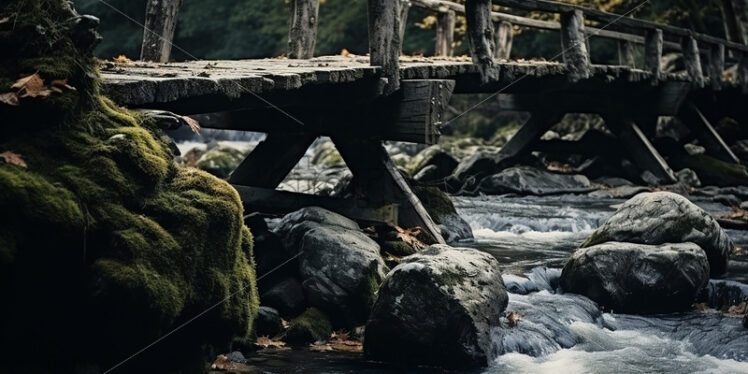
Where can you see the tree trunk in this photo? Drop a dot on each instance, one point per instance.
(160, 23)
(302, 33)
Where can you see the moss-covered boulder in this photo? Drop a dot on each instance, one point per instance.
(220, 160)
(441, 209)
(309, 327)
(105, 244)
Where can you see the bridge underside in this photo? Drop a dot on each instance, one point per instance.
(295, 101)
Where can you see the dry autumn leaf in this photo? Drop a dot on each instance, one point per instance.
(345, 53)
(514, 318)
(4, 20)
(31, 86)
(266, 342)
(13, 158)
(9, 98)
(122, 60)
(61, 85)
(409, 236)
(193, 124)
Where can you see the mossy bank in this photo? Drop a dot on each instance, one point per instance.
(105, 244)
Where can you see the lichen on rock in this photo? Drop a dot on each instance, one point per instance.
(107, 244)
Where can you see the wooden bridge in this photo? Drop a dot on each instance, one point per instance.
(360, 101)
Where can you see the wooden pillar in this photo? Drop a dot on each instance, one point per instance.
(404, 9)
(743, 71)
(574, 45)
(160, 23)
(504, 39)
(716, 65)
(384, 41)
(639, 147)
(445, 30)
(735, 18)
(539, 123)
(480, 37)
(626, 55)
(653, 53)
(271, 160)
(708, 136)
(692, 59)
(302, 33)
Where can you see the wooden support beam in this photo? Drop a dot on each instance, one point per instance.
(160, 23)
(445, 30)
(504, 39)
(271, 160)
(743, 72)
(480, 37)
(692, 59)
(716, 66)
(272, 201)
(379, 180)
(540, 121)
(653, 53)
(626, 56)
(384, 41)
(420, 110)
(302, 33)
(574, 45)
(404, 9)
(639, 147)
(708, 136)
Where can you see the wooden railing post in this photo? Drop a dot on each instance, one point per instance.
(404, 9)
(384, 41)
(653, 43)
(574, 44)
(445, 30)
(302, 34)
(716, 65)
(693, 61)
(158, 33)
(743, 71)
(480, 37)
(504, 39)
(626, 53)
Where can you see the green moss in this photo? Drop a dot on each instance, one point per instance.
(371, 288)
(220, 161)
(597, 237)
(309, 327)
(436, 202)
(104, 239)
(712, 171)
(397, 248)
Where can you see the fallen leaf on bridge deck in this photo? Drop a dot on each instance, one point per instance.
(345, 53)
(122, 60)
(13, 158)
(9, 98)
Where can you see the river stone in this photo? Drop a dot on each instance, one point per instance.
(665, 217)
(293, 225)
(433, 156)
(341, 270)
(638, 278)
(437, 307)
(286, 296)
(531, 181)
(268, 322)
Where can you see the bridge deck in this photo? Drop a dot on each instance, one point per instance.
(163, 86)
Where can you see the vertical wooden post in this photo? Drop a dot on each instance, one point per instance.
(158, 33)
(504, 39)
(626, 53)
(384, 41)
(445, 30)
(302, 33)
(574, 44)
(404, 9)
(480, 37)
(716, 65)
(743, 71)
(653, 53)
(693, 61)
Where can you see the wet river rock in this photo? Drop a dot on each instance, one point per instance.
(664, 217)
(437, 307)
(638, 278)
(531, 181)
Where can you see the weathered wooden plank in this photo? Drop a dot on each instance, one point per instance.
(692, 59)
(480, 37)
(539, 123)
(272, 159)
(639, 147)
(743, 72)
(384, 41)
(574, 43)
(504, 39)
(716, 67)
(266, 200)
(626, 56)
(653, 53)
(445, 29)
(420, 110)
(302, 33)
(379, 180)
(404, 9)
(158, 33)
(708, 136)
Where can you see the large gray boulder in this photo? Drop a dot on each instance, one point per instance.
(525, 180)
(437, 307)
(664, 217)
(638, 278)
